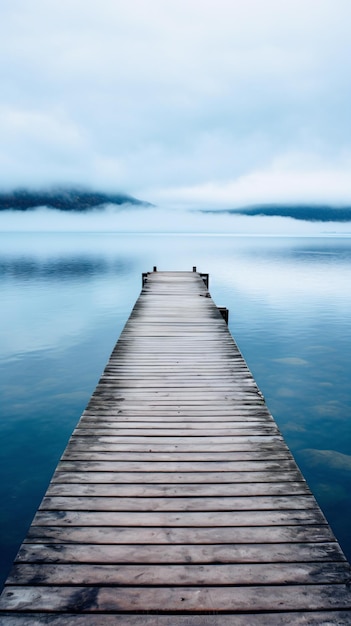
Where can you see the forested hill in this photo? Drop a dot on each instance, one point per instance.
(63, 200)
(309, 213)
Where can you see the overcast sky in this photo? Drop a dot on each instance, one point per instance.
(178, 102)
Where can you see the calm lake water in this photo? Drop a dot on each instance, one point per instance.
(66, 297)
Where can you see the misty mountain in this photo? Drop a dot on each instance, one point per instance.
(64, 200)
(309, 213)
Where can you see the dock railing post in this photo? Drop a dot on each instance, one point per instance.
(205, 278)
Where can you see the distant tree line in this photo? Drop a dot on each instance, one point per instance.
(309, 213)
(62, 199)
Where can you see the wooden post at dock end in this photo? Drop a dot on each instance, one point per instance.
(205, 278)
(224, 313)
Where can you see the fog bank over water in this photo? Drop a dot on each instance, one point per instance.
(163, 220)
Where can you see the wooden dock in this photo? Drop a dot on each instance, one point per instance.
(177, 501)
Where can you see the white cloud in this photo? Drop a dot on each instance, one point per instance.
(327, 458)
(149, 97)
(277, 184)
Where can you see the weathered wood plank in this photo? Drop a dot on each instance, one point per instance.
(169, 553)
(183, 414)
(169, 404)
(176, 477)
(95, 444)
(183, 519)
(215, 535)
(246, 503)
(293, 618)
(177, 490)
(148, 380)
(181, 440)
(75, 454)
(175, 395)
(112, 431)
(168, 421)
(175, 428)
(163, 575)
(180, 599)
(177, 466)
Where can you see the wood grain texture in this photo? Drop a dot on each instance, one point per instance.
(293, 618)
(168, 553)
(199, 599)
(223, 536)
(177, 501)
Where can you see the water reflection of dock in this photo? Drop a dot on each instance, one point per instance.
(177, 500)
